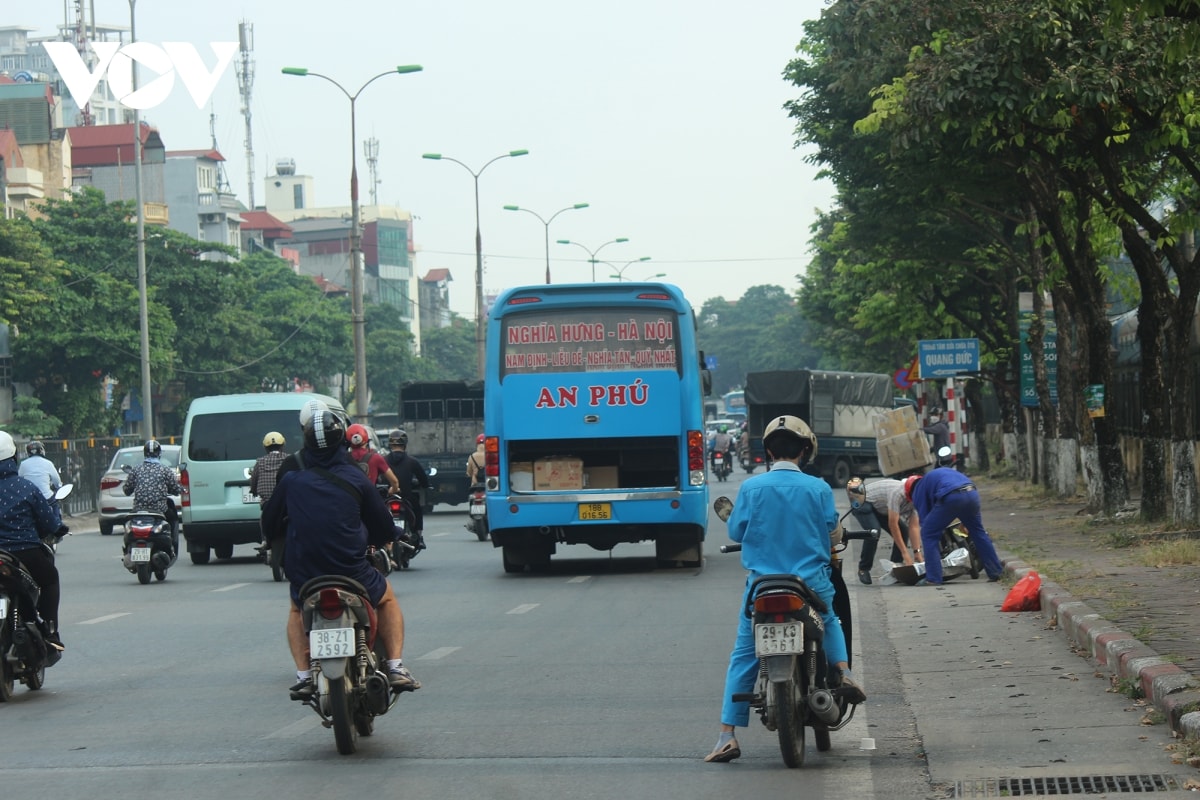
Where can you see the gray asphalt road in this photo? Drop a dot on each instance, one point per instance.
(599, 679)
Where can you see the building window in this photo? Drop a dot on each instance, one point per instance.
(298, 196)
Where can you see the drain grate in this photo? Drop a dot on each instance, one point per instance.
(1049, 787)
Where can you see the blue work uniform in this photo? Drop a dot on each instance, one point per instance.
(783, 519)
(940, 497)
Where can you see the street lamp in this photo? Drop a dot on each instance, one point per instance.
(655, 275)
(357, 318)
(592, 253)
(480, 334)
(143, 302)
(621, 269)
(546, 223)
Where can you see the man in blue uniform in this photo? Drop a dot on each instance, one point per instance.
(939, 497)
(787, 523)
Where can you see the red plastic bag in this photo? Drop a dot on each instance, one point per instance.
(1025, 594)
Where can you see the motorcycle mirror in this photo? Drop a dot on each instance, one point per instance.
(128, 470)
(944, 451)
(63, 491)
(723, 506)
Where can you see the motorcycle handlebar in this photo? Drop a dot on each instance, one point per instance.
(872, 533)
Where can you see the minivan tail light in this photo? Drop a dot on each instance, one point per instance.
(185, 487)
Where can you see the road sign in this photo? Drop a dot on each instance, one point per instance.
(945, 358)
(710, 362)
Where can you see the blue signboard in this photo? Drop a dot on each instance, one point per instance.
(1029, 398)
(945, 358)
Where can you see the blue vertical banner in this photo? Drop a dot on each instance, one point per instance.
(1049, 355)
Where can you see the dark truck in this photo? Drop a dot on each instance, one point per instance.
(840, 407)
(442, 420)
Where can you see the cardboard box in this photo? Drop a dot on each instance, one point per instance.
(520, 476)
(896, 422)
(559, 473)
(908, 451)
(600, 478)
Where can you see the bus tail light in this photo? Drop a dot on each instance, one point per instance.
(491, 456)
(695, 457)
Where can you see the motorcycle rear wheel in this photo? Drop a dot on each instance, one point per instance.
(6, 673)
(143, 573)
(789, 723)
(821, 738)
(277, 562)
(341, 708)
(481, 529)
(36, 679)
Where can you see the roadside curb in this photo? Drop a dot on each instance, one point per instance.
(1172, 691)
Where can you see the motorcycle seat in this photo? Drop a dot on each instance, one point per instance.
(332, 582)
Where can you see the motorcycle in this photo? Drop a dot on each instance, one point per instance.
(796, 688)
(404, 545)
(748, 461)
(477, 510)
(348, 660)
(721, 464)
(151, 543)
(24, 651)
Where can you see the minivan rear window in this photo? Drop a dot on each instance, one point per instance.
(239, 436)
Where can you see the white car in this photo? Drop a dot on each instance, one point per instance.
(114, 505)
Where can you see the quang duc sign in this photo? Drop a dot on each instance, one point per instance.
(946, 358)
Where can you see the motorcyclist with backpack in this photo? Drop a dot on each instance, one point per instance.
(411, 476)
(371, 463)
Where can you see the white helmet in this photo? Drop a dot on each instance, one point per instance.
(8, 448)
(309, 408)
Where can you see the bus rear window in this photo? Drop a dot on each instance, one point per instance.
(588, 340)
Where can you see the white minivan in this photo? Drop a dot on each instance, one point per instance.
(222, 438)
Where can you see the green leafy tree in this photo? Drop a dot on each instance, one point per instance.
(28, 270)
(30, 421)
(451, 350)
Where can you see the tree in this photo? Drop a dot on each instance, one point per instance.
(28, 271)
(31, 422)
(451, 350)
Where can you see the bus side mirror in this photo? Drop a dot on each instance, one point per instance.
(706, 381)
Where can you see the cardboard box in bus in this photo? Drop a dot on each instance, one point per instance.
(520, 476)
(600, 478)
(559, 473)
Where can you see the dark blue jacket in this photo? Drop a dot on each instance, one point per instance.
(25, 514)
(328, 530)
(935, 485)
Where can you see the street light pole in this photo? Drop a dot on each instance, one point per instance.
(143, 301)
(357, 317)
(546, 223)
(620, 276)
(593, 253)
(480, 329)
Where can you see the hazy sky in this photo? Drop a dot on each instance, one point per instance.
(664, 115)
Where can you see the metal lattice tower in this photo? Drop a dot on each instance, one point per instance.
(245, 79)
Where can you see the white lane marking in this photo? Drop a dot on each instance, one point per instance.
(440, 652)
(297, 728)
(580, 579)
(523, 608)
(105, 618)
(231, 587)
(437, 535)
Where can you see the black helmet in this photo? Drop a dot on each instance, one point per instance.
(35, 449)
(324, 431)
(151, 449)
(399, 437)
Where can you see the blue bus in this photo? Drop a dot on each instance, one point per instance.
(594, 422)
(735, 405)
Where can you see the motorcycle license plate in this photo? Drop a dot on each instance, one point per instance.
(478, 509)
(247, 497)
(718, 460)
(139, 554)
(331, 642)
(594, 511)
(3, 608)
(778, 639)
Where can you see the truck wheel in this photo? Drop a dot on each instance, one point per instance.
(841, 472)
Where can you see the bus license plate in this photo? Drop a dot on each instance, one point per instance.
(594, 511)
(778, 639)
(139, 554)
(331, 642)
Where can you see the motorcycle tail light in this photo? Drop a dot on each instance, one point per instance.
(778, 603)
(329, 604)
(394, 507)
(140, 531)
